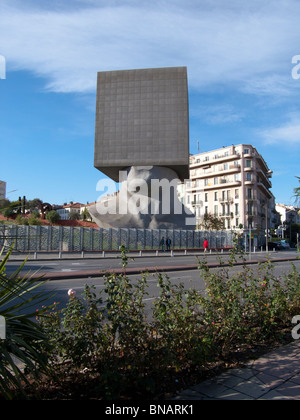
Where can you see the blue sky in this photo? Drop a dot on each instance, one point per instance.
(241, 90)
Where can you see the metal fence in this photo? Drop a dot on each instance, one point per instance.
(66, 238)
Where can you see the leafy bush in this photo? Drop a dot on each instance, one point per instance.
(124, 351)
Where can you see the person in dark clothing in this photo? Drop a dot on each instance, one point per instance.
(168, 243)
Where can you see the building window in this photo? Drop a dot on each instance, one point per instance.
(249, 192)
(249, 177)
(236, 193)
(223, 209)
(216, 181)
(248, 163)
(246, 151)
(216, 209)
(206, 197)
(228, 210)
(236, 209)
(216, 195)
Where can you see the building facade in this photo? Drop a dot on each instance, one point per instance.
(65, 210)
(232, 184)
(2, 189)
(142, 119)
(288, 214)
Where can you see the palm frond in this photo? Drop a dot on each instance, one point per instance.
(19, 300)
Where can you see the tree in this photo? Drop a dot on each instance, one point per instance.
(210, 222)
(34, 204)
(52, 216)
(297, 191)
(7, 212)
(9, 209)
(74, 215)
(86, 215)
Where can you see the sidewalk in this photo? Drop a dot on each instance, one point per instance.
(275, 376)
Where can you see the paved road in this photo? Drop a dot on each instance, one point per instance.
(94, 266)
(74, 272)
(190, 279)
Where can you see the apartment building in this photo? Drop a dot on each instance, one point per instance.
(2, 189)
(233, 184)
(288, 214)
(65, 210)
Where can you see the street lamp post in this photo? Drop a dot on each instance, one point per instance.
(267, 233)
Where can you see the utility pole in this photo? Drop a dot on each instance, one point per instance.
(250, 245)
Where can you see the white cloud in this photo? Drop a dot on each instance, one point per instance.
(216, 114)
(289, 132)
(248, 45)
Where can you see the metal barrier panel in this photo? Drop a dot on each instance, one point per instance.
(66, 238)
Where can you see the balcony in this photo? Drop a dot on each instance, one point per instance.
(251, 199)
(224, 183)
(227, 214)
(226, 200)
(263, 188)
(265, 178)
(207, 160)
(197, 203)
(214, 174)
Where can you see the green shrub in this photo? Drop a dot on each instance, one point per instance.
(111, 336)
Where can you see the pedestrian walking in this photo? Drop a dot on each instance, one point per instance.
(168, 243)
(162, 244)
(205, 245)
